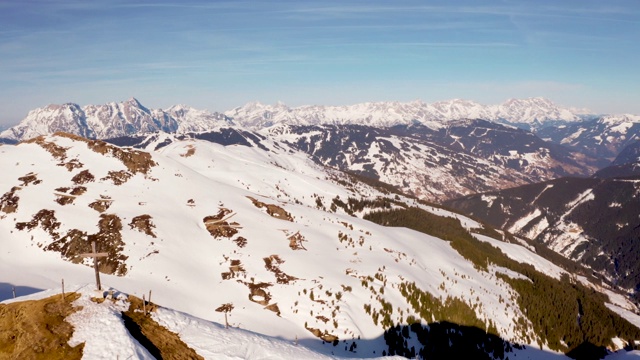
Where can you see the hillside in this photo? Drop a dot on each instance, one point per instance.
(284, 241)
(591, 220)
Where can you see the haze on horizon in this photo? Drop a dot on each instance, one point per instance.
(222, 54)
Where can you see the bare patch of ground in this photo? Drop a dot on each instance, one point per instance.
(190, 151)
(68, 195)
(257, 292)
(118, 177)
(30, 178)
(63, 199)
(78, 190)
(58, 152)
(240, 241)
(83, 177)
(235, 269)
(37, 329)
(322, 335)
(9, 201)
(136, 161)
(218, 226)
(273, 210)
(44, 218)
(273, 307)
(108, 239)
(143, 224)
(101, 205)
(272, 264)
(296, 241)
(73, 164)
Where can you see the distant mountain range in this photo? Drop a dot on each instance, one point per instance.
(131, 117)
(433, 151)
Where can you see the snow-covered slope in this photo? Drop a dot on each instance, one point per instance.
(591, 220)
(204, 225)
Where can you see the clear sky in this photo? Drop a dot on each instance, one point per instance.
(220, 54)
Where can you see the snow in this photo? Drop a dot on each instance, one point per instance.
(112, 119)
(101, 328)
(523, 221)
(183, 264)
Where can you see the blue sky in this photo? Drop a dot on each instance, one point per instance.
(220, 54)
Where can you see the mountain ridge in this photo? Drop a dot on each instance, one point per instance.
(128, 117)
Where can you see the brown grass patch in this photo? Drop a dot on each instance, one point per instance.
(36, 329)
(30, 178)
(218, 226)
(322, 335)
(136, 161)
(273, 307)
(273, 210)
(190, 151)
(83, 177)
(108, 239)
(72, 164)
(235, 269)
(160, 342)
(257, 292)
(9, 201)
(44, 218)
(296, 240)
(118, 177)
(240, 241)
(272, 264)
(75, 191)
(64, 199)
(58, 152)
(101, 205)
(78, 190)
(143, 224)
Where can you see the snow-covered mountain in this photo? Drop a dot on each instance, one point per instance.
(113, 120)
(603, 137)
(298, 250)
(131, 118)
(530, 113)
(461, 158)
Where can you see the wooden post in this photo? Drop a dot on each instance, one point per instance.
(93, 254)
(144, 306)
(226, 322)
(13, 289)
(149, 297)
(62, 289)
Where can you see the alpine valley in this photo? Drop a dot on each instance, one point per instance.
(443, 230)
